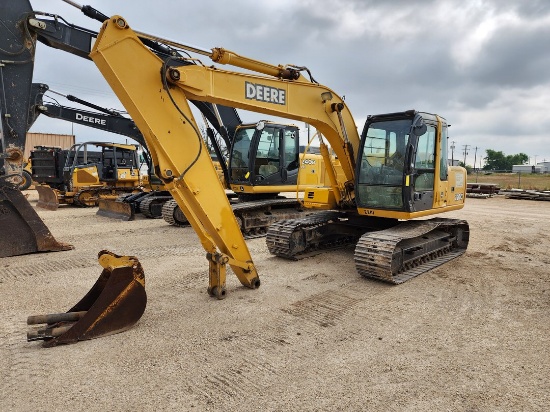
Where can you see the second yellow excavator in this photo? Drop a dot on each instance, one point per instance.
(265, 160)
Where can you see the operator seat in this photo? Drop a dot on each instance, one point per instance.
(267, 170)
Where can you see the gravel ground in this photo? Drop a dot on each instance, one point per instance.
(472, 335)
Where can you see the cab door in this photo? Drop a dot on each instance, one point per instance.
(419, 190)
(276, 160)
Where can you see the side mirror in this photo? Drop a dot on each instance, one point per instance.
(419, 127)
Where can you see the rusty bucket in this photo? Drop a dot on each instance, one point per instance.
(115, 303)
(27, 232)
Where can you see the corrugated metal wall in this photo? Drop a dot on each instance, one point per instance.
(64, 141)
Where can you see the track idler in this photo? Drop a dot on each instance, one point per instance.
(22, 231)
(115, 303)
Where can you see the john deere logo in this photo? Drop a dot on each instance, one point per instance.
(90, 119)
(265, 94)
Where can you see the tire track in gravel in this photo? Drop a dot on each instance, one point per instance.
(21, 363)
(167, 251)
(244, 372)
(329, 307)
(43, 266)
(50, 264)
(271, 351)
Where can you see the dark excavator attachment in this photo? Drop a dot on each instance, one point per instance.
(27, 232)
(115, 303)
(47, 197)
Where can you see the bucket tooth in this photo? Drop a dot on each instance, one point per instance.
(27, 232)
(115, 303)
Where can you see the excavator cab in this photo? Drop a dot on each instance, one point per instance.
(403, 170)
(264, 158)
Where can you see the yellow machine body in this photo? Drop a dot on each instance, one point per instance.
(159, 106)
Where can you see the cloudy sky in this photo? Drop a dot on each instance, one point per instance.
(484, 65)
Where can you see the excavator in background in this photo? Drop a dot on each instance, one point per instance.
(265, 160)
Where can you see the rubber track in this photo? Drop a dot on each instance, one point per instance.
(374, 253)
(168, 214)
(145, 206)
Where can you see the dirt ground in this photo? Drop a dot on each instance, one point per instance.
(472, 335)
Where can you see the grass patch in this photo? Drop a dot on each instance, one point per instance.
(525, 181)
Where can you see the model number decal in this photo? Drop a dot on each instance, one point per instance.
(308, 161)
(459, 196)
(265, 94)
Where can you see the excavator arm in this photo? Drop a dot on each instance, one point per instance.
(273, 94)
(168, 126)
(109, 121)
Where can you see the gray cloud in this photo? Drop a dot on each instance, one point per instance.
(481, 64)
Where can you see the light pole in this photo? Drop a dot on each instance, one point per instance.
(466, 146)
(453, 153)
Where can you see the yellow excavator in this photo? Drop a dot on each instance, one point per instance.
(394, 175)
(397, 170)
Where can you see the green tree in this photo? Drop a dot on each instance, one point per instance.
(467, 167)
(496, 160)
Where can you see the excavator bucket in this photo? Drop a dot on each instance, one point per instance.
(27, 232)
(47, 197)
(115, 303)
(116, 209)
